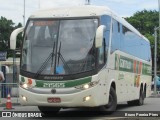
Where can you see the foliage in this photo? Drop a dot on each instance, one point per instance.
(6, 28)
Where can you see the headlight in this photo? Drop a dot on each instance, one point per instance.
(24, 98)
(88, 85)
(26, 85)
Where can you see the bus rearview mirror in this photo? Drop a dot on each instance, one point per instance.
(13, 37)
(99, 36)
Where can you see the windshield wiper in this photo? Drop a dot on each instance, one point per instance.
(51, 55)
(63, 60)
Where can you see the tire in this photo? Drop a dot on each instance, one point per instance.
(139, 101)
(131, 103)
(48, 111)
(112, 103)
(145, 92)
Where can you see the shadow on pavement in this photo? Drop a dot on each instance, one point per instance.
(87, 113)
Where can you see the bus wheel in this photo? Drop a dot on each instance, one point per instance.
(131, 103)
(112, 103)
(140, 101)
(48, 111)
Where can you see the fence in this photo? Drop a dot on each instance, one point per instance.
(9, 88)
(10, 85)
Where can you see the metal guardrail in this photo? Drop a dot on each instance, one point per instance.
(9, 88)
(158, 92)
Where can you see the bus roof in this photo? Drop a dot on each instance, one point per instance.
(83, 11)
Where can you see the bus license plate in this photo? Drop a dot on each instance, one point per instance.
(54, 100)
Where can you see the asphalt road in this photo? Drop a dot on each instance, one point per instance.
(150, 107)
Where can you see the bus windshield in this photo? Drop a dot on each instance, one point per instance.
(59, 47)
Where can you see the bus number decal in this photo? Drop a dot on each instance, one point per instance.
(53, 85)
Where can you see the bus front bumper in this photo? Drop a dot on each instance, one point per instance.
(86, 98)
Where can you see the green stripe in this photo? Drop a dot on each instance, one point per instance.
(22, 79)
(123, 63)
(126, 64)
(146, 69)
(62, 84)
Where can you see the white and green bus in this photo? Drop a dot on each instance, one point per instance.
(83, 56)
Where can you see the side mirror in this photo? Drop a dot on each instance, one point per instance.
(99, 36)
(13, 37)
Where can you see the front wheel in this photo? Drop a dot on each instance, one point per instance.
(48, 111)
(112, 104)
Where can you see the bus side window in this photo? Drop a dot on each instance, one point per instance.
(115, 44)
(118, 27)
(101, 51)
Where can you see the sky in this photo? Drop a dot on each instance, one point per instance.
(14, 9)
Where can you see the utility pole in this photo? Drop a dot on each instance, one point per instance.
(39, 4)
(155, 51)
(24, 13)
(155, 59)
(159, 13)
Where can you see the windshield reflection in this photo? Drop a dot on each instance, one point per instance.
(59, 47)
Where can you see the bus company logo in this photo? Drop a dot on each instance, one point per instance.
(125, 64)
(53, 77)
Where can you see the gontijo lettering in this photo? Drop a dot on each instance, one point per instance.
(125, 64)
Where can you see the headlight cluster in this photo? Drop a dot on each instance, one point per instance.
(88, 85)
(26, 85)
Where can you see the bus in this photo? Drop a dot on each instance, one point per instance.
(83, 56)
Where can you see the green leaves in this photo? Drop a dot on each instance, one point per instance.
(6, 28)
(144, 21)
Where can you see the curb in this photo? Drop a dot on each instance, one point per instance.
(155, 96)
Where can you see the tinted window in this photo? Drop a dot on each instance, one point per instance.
(134, 44)
(59, 46)
(101, 58)
(127, 41)
(115, 45)
(106, 20)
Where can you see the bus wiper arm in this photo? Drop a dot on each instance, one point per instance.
(62, 58)
(51, 55)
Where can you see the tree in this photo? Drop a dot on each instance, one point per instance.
(6, 28)
(145, 22)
